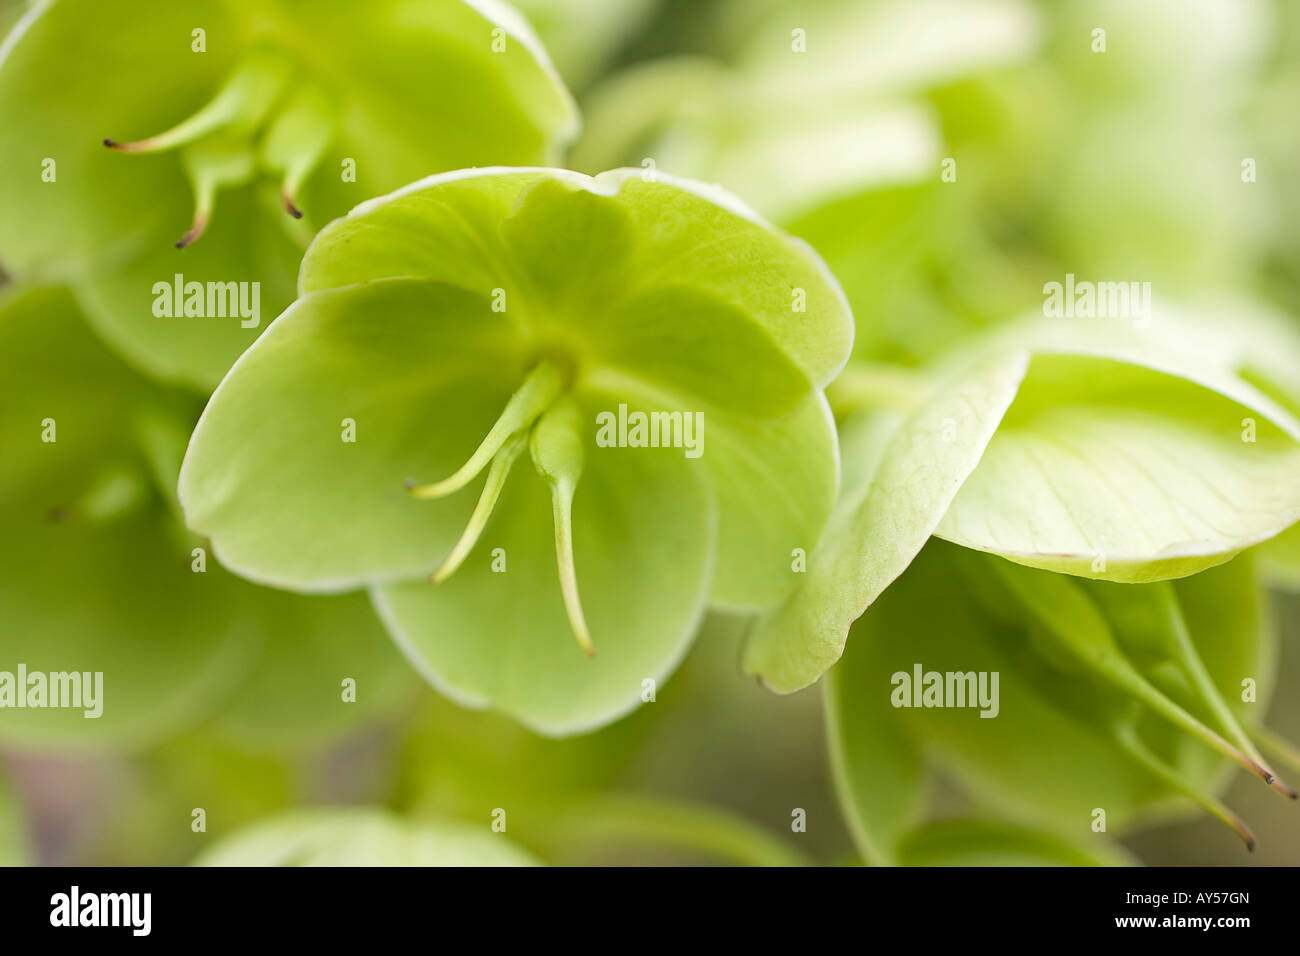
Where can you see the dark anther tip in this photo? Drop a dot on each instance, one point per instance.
(110, 143)
(291, 208)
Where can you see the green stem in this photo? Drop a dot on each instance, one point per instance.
(648, 822)
(1126, 736)
(242, 102)
(863, 384)
(539, 390)
(496, 480)
(1195, 668)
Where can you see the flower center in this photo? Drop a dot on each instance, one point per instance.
(263, 116)
(542, 415)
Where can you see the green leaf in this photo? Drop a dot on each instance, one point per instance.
(361, 836)
(881, 526)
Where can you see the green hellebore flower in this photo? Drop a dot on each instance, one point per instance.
(478, 318)
(1099, 450)
(227, 121)
(1122, 698)
(99, 578)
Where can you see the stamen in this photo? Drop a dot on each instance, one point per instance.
(1128, 739)
(210, 165)
(1202, 682)
(496, 480)
(246, 97)
(1104, 659)
(297, 140)
(559, 456)
(1128, 678)
(1279, 747)
(543, 384)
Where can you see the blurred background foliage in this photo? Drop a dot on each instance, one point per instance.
(1126, 164)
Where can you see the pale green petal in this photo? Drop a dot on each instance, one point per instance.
(880, 528)
(606, 240)
(269, 475)
(643, 550)
(1113, 470)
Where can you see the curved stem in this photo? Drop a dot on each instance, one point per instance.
(1201, 679)
(863, 384)
(242, 101)
(1126, 736)
(705, 830)
(542, 386)
(496, 480)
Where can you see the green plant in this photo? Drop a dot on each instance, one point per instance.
(93, 453)
(229, 118)
(531, 434)
(470, 316)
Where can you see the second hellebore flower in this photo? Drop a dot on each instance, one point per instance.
(235, 129)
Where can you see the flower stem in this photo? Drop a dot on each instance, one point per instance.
(542, 386)
(496, 480)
